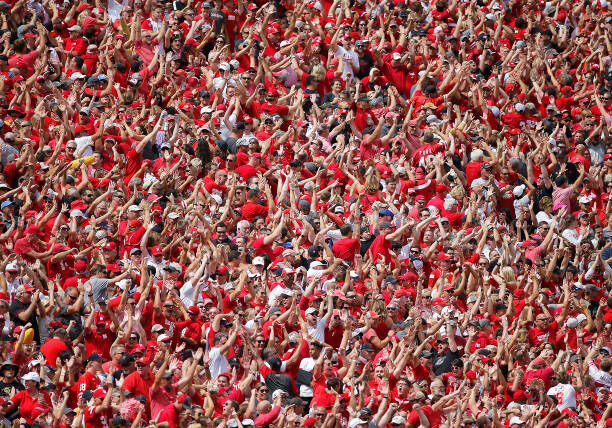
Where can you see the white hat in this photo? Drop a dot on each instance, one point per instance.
(398, 420)
(583, 199)
(122, 284)
(31, 376)
(278, 392)
(75, 28)
(315, 264)
(258, 261)
(224, 66)
(12, 267)
(162, 338)
(432, 118)
(518, 190)
(515, 420)
(490, 16)
(217, 199)
(519, 107)
(77, 213)
(356, 421)
(206, 109)
(401, 170)
(248, 422)
(173, 215)
(571, 323)
(310, 311)
(580, 318)
(397, 55)
(494, 110)
(231, 423)
(134, 208)
(77, 75)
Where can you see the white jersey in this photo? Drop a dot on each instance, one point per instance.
(565, 395)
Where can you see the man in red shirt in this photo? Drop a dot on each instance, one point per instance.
(98, 412)
(174, 412)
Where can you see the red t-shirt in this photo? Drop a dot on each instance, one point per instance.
(29, 408)
(93, 420)
(51, 350)
(346, 248)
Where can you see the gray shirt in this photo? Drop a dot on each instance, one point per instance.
(99, 288)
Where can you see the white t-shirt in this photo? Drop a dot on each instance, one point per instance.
(542, 216)
(307, 364)
(317, 331)
(82, 142)
(565, 395)
(218, 363)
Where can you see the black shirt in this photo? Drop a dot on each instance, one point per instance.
(442, 364)
(6, 388)
(18, 307)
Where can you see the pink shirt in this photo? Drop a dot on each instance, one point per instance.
(160, 399)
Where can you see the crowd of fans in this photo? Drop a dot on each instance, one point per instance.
(305, 213)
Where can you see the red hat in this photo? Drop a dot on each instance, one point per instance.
(252, 6)
(84, 6)
(529, 243)
(78, 205)
(191, 41)
(142, 360)
(194, 309)
(156, 251)
(135, 223)
(99, 393)
(409, 276)
(566, 89)
(339, 294)
(113, 267)
(442, 188)
(309, 422)
(442, 257)
(110, 246)
(80, 266)
(29, 36)
(470, 374)
(180, 72)
(139, 348)
(438, 301)
(222, 269)
(33, 230)
(419, 198)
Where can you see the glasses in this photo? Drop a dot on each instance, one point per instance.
(260, 341)
(71, 149)
(264, 390)
(320, 415)
(73, 298)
